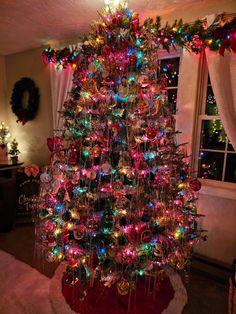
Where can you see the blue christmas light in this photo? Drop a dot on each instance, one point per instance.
(150, 204)
(58, 207)
(101, 250)
(129, 13)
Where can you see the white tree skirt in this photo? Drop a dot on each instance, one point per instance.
(23, 290)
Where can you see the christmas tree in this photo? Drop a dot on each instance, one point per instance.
(14, 151)
(117, 200)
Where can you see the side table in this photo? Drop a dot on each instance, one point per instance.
(8, 196)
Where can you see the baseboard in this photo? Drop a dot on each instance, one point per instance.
(212, 268)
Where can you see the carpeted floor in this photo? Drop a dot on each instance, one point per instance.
(205, 295)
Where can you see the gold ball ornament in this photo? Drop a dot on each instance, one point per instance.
(158, 252)
(79, 106)
(157, 104)
(96, 151)
(123, 286)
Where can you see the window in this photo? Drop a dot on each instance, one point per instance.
(169, 69)
(216, 156)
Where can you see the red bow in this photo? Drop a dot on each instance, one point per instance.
(31, 170)
(233, 40)
(22, 118)
(52, 141)
(228, 42)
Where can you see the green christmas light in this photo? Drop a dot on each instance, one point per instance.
(86, 153)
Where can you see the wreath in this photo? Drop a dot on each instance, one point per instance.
(29, 112)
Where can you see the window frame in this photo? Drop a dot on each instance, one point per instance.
(210, 186)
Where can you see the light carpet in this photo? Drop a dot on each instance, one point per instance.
(23, 290)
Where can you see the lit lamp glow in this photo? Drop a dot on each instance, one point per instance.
(4, 134)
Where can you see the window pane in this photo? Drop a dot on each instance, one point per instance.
(211, 107)
(230, 173)
(210, 165)
(170, 69)
(208, 80)
(172, 98)
(230, 147)
(213, 135)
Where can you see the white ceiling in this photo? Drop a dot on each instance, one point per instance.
(26, 24)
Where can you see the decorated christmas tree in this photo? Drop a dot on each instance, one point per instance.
(118, 201)
(14, 151)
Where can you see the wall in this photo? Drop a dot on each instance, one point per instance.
(217, 200)
(219, 220)
(2, 89)
(193, 11)
(33, 135)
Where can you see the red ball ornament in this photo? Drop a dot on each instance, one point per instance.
(66, 238)
(151, 133)
(195, 185)
(133, 235)
(133, 59)
(115, 21)
(146, 236)
(93, 260)
(124, 44)
(116, 127)
(106, 50)
(135, 22)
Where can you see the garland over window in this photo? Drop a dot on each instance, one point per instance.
(220, 35)
(28, 112)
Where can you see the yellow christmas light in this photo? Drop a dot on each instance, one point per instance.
(60, 255)
(57, 231)
(70, 225)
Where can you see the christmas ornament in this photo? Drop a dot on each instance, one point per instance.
(195, 185)
(123, 286)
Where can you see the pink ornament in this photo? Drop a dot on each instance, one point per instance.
(126, 255)
(91, 174)
(48, 226)
(178, 203)
(106, 168)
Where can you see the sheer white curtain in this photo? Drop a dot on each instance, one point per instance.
(61, 84)
(222, 71)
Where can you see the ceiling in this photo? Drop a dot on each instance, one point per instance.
(32, 23)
